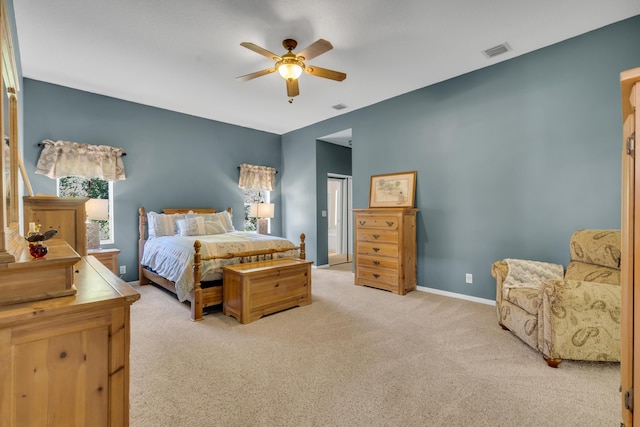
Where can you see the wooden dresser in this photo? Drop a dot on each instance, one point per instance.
(65, 361)
(108, 257)
(385, 248)
(65, 214)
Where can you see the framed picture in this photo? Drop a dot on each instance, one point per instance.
(396, 190)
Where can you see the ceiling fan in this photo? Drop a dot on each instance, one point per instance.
(291, 65)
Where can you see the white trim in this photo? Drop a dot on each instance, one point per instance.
(455, 295)
(322, 266)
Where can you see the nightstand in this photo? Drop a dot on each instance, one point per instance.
(108, 257)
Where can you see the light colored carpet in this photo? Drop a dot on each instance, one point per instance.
(355, 357)
(339, 258)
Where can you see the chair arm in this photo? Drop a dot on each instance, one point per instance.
(524, 271)
(584, 295)
(579, 320)
(499, 270)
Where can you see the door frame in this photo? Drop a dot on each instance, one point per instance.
(344, 232)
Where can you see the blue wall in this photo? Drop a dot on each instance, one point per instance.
(510, 159)
(173, 160)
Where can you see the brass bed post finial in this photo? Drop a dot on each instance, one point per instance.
(303, 252)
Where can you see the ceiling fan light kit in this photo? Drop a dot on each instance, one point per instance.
(289, 68)
(291, 65)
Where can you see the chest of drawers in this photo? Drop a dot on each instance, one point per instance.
(385, 248)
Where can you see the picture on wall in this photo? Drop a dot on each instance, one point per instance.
(397, 190)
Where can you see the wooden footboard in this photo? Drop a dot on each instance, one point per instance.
(200, 297)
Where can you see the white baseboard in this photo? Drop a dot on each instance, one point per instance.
(455, 295)
(321, 266)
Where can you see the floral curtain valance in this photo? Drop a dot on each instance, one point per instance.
(65, 158)
(257, 177)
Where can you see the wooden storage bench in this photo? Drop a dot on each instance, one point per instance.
(254, 289)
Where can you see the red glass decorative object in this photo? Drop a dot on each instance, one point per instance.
(38, 249)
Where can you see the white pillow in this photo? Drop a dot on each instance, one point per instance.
(161, 224)
(191, 226)
(225, 219)
(214, 227)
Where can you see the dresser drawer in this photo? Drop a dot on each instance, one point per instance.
(387, 236)
(379, 278)
(377, 262)
(278, 282)
(380, 249)
(370, 221)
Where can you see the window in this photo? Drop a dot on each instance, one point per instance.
(254, 196)
(94, 188)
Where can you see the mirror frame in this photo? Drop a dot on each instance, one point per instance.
(9, 215)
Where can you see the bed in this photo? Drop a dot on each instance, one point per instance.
(184, 250)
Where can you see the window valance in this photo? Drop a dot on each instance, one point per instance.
(66, 158)
(257, 177)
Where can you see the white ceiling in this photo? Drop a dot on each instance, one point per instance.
(184, 55)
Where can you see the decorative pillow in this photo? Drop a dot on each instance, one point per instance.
(225, 219)
(161, 224)
(214, 227)
(191, 226)
(206, 217)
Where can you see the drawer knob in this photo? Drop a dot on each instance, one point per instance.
(376, 236)
(362, 222)
(390, 223)
(376, 249)
(376, 275)
(376, 262)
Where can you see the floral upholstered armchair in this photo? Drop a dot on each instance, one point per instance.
(565, 315)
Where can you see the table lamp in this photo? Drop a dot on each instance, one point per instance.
(262, 211)
(97, 210)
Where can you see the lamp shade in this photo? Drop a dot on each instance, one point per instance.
(97, 209)
(262, 210)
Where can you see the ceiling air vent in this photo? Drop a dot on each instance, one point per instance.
(497, 50)
(339, 107)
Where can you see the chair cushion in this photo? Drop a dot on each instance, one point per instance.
(592, 273)
(527, 299)
(600, 247)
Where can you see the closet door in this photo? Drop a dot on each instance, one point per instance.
(630, 267)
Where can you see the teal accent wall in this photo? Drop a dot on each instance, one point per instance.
(173, 159)
(510, 159)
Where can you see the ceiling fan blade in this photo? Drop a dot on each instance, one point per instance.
(247, 77)
(325, 73)
(292, 88)
(260, 50)
(316, 48)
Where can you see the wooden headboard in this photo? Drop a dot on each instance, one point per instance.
(187, 210)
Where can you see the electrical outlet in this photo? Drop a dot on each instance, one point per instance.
(123, 269)
(469, 278)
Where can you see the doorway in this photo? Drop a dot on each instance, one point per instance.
(339, 219)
